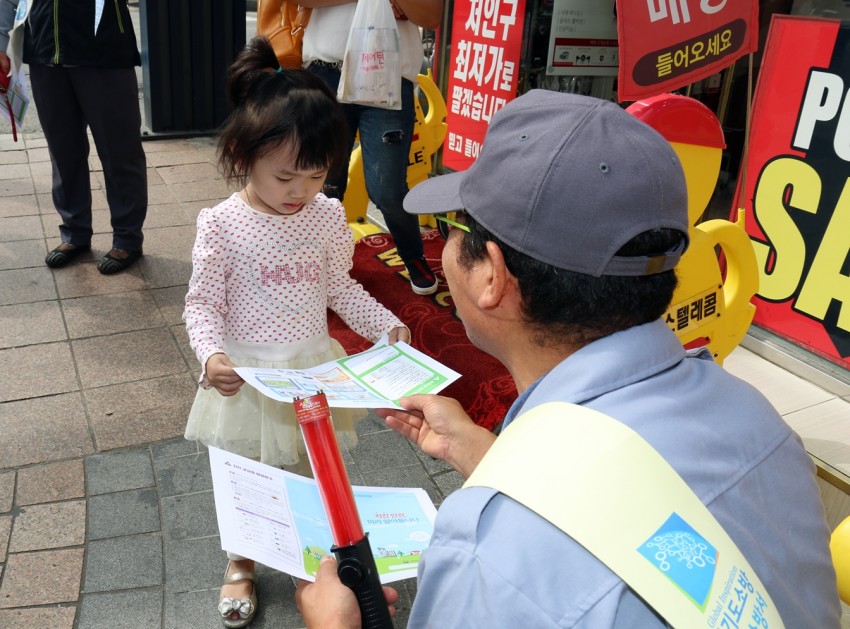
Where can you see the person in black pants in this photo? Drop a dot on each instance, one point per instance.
(82, 75)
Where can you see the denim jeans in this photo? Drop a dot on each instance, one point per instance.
(385, 137)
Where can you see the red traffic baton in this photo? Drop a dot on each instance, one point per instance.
(355, 562)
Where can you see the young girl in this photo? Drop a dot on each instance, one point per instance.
(267, 263)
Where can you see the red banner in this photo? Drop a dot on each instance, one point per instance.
(667, 44)
(797, 195)
(483, 69)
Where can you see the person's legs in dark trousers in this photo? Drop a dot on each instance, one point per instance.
(64, 128)
(115, 122)
(385, 137)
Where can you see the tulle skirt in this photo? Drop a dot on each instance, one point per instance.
(255, 426)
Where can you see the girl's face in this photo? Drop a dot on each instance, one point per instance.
(276, 186)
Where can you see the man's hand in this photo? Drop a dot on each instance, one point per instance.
(5, 64)
(328, 604)
(221, 375)
(441, 428)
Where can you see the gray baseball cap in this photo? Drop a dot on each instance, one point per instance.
(568, 180)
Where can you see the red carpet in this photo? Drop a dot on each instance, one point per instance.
(485, 389)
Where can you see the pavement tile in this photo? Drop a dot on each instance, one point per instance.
(43, 429)
(183, 475)
(202, 190)
(42, 184)
(41, 169)
(110, 314)
(447, 482)
(176, 157)
(7, 490)
(5, 531)
(161, 194)
(28, 324)
(123, 513)
(194, 564)
(24, 205)
(276, 598)
(432, 465)
(12, 156)
(183, 173)
(20, 286)
(38, 154)
(127, 357)
(123, 563)
(45, 369)
(170, 146)
(118, 471)
(42, 578)
(15, 171)
(43, 617)
(50, 482)
(51, 525)
(22, 254)
(20, 228)
(381, 450)
(186, 350)
(168, 215)
(139, 609)
(140, 412)
(15, 187)
(168, 256)
(189, 516)
(197, 609)
(171, 302)
(80, 280)
(45, 206)
(176, 447)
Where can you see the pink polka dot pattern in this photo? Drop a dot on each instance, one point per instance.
(269, 279)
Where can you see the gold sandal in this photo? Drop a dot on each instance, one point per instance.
(245, 608)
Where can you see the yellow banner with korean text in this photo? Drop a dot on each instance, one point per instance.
(672, 552)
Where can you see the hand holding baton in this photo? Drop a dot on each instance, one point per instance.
(356, 563)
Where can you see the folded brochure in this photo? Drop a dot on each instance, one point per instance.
(375, 378)
(277, 518)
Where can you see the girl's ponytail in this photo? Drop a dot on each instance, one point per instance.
(253, 65)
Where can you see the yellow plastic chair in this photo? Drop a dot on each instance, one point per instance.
(711, 306)
(839, 546)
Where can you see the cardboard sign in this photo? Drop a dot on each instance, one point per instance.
(667, 44)
(797, 195)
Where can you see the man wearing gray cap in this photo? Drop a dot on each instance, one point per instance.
(560, 264)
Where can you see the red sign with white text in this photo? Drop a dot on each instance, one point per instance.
(486, 43)
(667, 44)
(797, 179)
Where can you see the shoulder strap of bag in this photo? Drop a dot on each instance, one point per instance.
(275, 14)
(607, 488)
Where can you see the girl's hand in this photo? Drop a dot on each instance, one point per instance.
(401, 333)
(221, 375)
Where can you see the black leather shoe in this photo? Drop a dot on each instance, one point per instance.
(117, 260)
(63, 254)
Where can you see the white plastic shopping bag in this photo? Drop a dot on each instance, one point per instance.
(371, 68)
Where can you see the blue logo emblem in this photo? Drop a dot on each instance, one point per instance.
(683, 556)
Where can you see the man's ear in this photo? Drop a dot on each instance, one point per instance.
(499, 282)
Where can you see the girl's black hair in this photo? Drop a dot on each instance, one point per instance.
(273, 107)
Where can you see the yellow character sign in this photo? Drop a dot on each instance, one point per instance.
(710, 307)
(429, 131)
